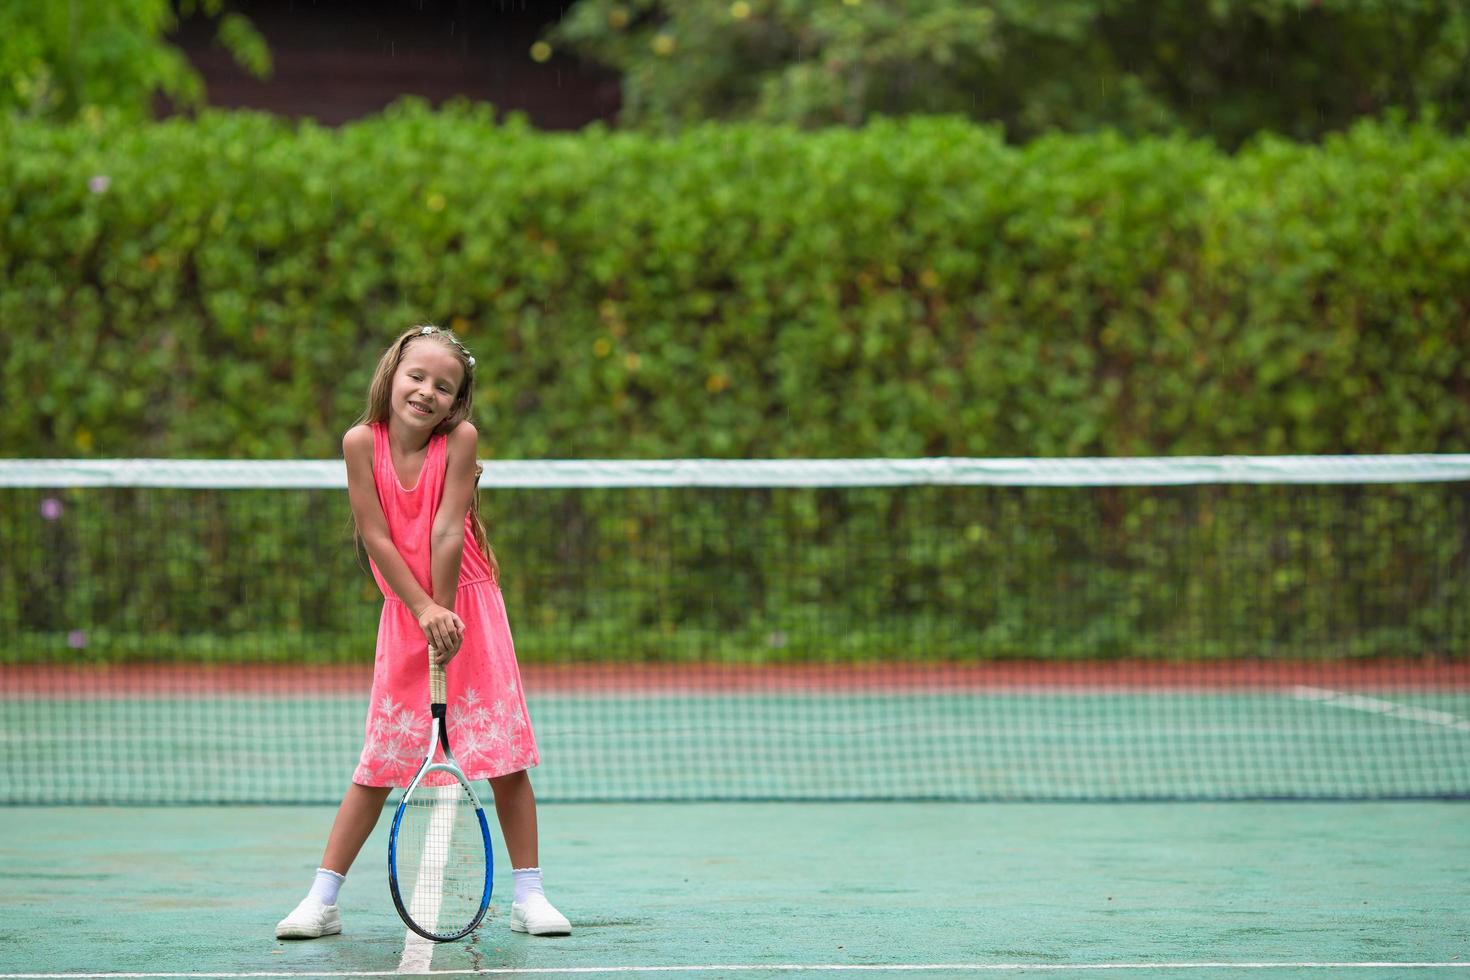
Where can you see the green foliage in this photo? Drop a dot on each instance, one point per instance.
(908, 288)
(1224, 69)
(761, 575)
(64, 58)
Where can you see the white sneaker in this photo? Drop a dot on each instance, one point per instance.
(538, 917)
(310, 920)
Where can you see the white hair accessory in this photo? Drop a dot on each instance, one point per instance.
(424, 330)
(471, 360)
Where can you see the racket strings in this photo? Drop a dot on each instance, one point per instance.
(441, 864)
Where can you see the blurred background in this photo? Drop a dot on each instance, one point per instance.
(334, 62)
(1086, 227)
(764, 229)
(861, 228)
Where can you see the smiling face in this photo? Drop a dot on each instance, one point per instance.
(425, 384)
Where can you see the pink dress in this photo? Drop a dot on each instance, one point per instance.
(489, 728)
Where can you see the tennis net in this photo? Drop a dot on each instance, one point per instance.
(950, 629)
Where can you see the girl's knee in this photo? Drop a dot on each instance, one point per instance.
(510, 780)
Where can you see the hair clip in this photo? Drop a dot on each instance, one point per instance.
(424, 330)
(471, 360)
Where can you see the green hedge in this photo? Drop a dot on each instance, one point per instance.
(222, 288)
(912, 288)
(767, 575)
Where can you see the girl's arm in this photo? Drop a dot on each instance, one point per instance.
(439, 624)
(446, 547)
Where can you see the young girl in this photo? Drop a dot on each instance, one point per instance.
(411, 479)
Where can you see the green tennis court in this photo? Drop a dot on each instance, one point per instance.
(1298, 741)
(750, 890)
(753, 888)
(818, 725)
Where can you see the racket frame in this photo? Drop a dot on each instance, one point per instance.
(438, 737)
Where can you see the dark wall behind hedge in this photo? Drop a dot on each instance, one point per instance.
(222, 288)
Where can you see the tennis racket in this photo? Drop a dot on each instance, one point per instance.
(439, 860)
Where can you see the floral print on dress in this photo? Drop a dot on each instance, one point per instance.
(396, 738)
(490, 734)
(486, 737)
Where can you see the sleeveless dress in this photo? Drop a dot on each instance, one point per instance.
(489, 728)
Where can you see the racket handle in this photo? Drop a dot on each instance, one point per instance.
(436, 679)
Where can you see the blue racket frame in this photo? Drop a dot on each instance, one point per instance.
(450, 767)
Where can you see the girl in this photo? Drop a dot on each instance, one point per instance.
(411, 479)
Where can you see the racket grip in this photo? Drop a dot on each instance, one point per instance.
(436, 679)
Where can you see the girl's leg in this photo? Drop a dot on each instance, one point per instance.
(317, 915)
(356, 818)
(515, 805)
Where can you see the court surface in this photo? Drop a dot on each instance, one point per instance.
(1289, 741)
(791, 889)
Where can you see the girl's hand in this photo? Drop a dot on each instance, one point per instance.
(443, 629)
(444, 656)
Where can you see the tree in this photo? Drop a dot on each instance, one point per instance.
(58, 58)
(1221, 68)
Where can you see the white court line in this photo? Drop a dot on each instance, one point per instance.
(428, 890)
(418, 953)
(777, 967)
(1377, 706)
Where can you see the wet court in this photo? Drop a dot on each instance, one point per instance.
(750, 890)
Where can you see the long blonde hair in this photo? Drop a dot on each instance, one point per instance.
(380, 392)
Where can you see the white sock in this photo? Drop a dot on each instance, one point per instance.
(325, 887)
(528, 883)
